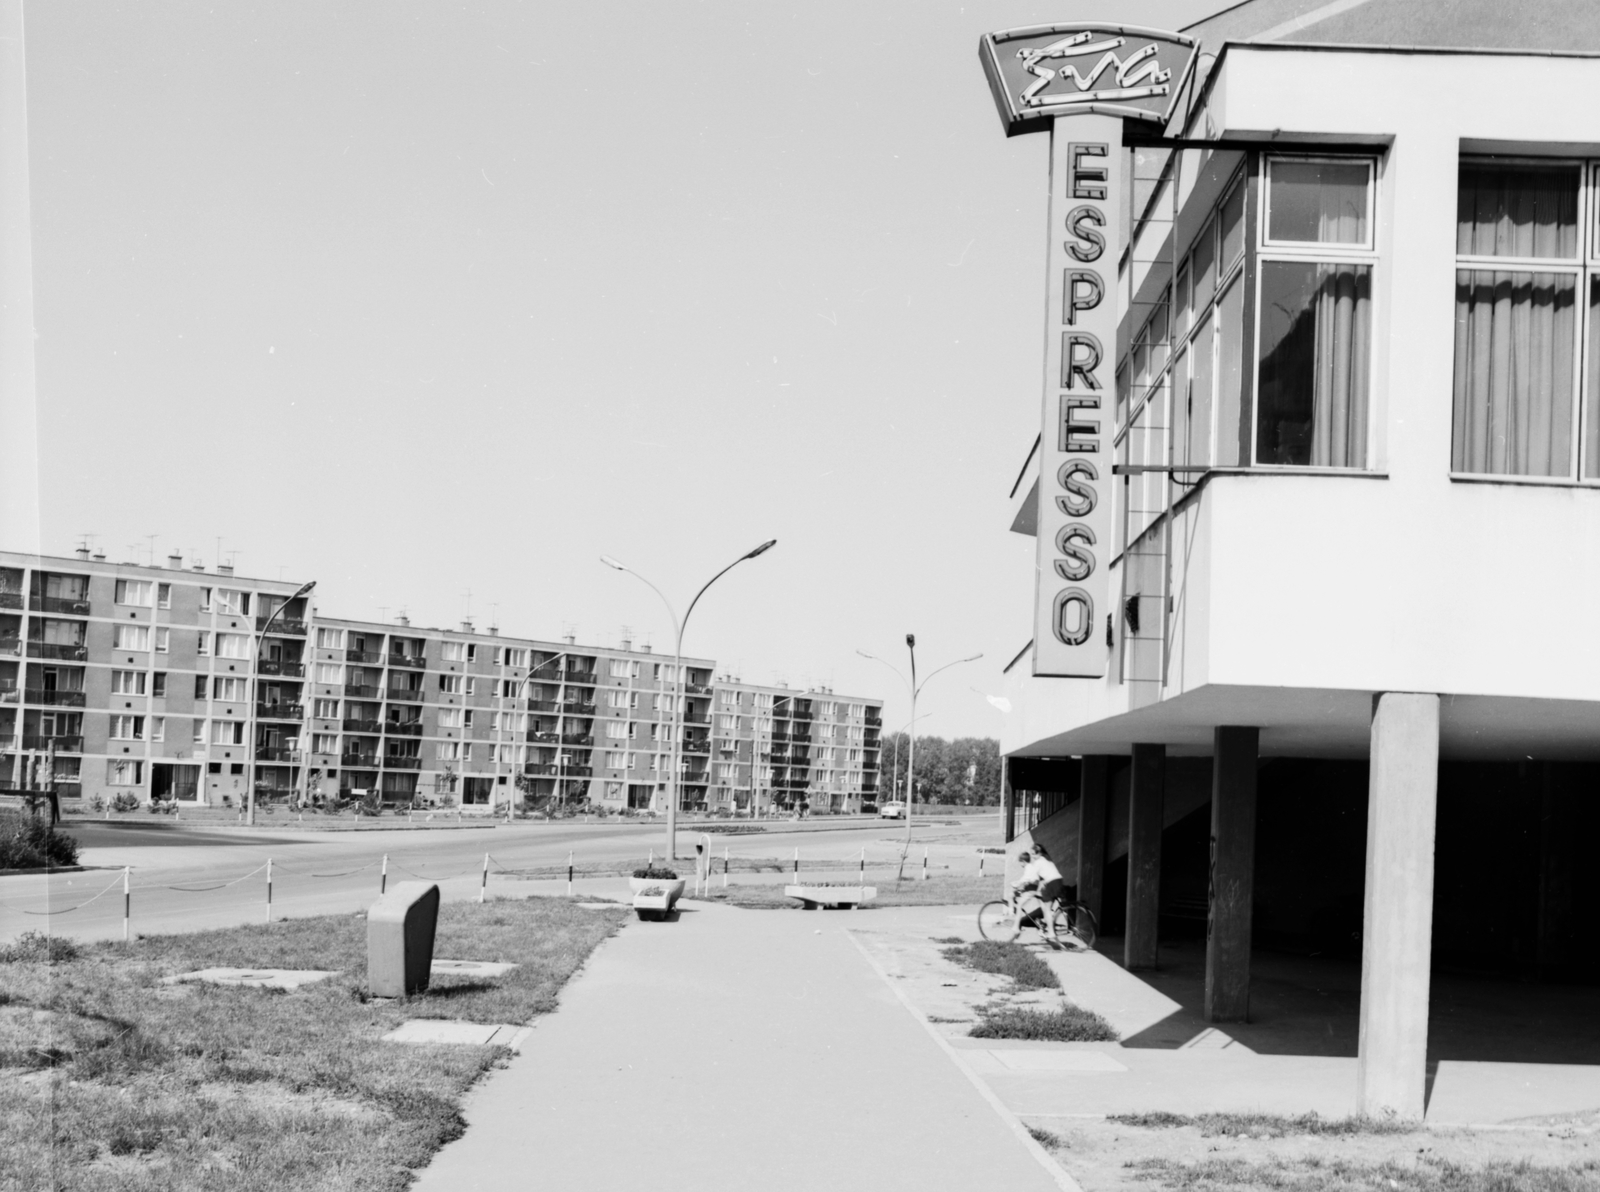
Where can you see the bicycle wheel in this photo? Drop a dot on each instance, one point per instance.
(997, 921)
(1080, 921)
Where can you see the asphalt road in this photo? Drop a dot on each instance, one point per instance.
(187, 879)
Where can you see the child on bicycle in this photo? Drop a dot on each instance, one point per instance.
(1039, 885)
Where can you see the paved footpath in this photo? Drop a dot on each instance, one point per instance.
(735, 1048)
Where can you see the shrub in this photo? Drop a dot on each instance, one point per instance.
(1008, 960)
(657, 873)
(1070, 1024)
(28, 842)
(35, 945)
(124, 802)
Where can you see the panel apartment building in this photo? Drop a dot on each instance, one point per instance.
(123, 679)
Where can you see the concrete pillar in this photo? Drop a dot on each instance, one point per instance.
(1094, 790)
(1397, 938)
(19, 437)
(1008, 799)
(1146, 806)
(1233, 872)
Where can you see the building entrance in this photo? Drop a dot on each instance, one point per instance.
(175, 780)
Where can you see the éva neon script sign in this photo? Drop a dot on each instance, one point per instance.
(1044, 71)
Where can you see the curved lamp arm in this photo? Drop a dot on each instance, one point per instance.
(946, 667)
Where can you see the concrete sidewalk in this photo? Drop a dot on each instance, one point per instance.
(733, 1047)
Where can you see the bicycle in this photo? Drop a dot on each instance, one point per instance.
(997, 920)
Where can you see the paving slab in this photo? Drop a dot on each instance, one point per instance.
(1470, 1093)
(469, 968)
(460, 1034)
(263, 978)
(739, 1047)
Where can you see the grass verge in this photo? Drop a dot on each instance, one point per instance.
(1008, 959)
(114, 1080)
(1265, 1125)
(1069, 1024)
(1317, 1175)
(939, 890)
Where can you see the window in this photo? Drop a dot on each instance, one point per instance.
(227, 732)
(232, 604)
(466, 717)
(516, 657)
(449, 717)
(205, 600)
(233, 645)
(1314, 304)
(616, 761)
(127, 728)
(132, 637)
(198, 736)
(453, 651)
(158, 728)
(330, 672)
(725, 771)
(472, 687)
(324, 743)
(1521, 271)
(326, 709)
(447, 751)
(203, 645)
(163, 641)
(199, 687)
(330, 639)
(127, 682)
(124, 773)
(163, 595)
(228, 690)
(450, 684)
(158, 684)
(472, 652)
(133, 591)
(616, 728)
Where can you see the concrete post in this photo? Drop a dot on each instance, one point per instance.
(1146, 806)
(1093, 789)
(1397, 936)
(1008, 801)
(1233, 870)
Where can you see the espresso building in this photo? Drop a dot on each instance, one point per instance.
(1328, 669)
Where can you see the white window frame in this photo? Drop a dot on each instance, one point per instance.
(1367, 247)
(122, 591)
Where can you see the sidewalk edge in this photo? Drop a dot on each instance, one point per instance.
(1062, 1177)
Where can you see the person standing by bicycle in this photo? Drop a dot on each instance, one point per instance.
(1039, 885)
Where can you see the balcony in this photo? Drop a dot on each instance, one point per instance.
(394, 762)
(281, 711)
(367, 760)
(542, 769)
(10, 599)
(288, 626)
(63, 744)
(586, 678)
(697, 746)
(412, 660)
(408, 728)
(577, 739)
(55, 697)
(412, 695)
(277, 753)
(543, 705)
(577, 708)
(365, 657)
(577, 771)
(292, 670)
(361, 726)
(696, 718)
(874, 721)
(360, 691)
(37, 649)
(696, 689)
(545, 737)
(59, 604)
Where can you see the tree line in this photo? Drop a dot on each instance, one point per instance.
(965, 770)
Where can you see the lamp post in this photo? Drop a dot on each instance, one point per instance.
(677, 675)
(915, 689)
(560, 753)
(255, 692)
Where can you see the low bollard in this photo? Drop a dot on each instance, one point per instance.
(400, 931)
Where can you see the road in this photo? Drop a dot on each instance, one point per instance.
(191, 878)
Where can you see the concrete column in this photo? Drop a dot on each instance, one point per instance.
(1094, 789)
(19, 437)
(1008, 800)
(1146, 806)
(1233, 872)
(1397, 938)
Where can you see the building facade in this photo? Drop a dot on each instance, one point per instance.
(177, 683)
(1351, 493)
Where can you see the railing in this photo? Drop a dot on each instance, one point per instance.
(577, 739)
(276, 753)
(543, 705)
(59, 604)
(697, 746)
(285, 625)
(696, 718)
(874, 721)
(412, 660)
(292, 670)
(366, 760)
(405, 728)
(57, 697)
(281, 711)
(696, 689)
(366, 657)
(361, 726)
(413, 695)
(392, 762)
(63, 744)
(540, 769)
(578, 707)
(360, 691)
(10, 599)
(541, 735)
(577, 771)
(38, 649)
(586, 677)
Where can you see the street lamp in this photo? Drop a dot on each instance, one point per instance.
(255, 692)
(677, 674)
(915, 690)
(560, 752)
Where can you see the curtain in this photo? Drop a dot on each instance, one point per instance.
(1514, 372)
(1339, 402)
(1517, 211)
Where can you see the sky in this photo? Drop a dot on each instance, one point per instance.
(437, 303)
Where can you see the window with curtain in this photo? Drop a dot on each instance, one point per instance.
(1518, 321)
(1314, 322)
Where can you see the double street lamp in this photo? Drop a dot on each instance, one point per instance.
(915, 689)
(677, 675)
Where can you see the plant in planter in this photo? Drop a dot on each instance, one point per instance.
(655, 889)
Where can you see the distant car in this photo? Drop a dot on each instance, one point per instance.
(891, 811)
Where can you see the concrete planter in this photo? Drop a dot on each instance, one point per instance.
(653, 897)
(831, 897)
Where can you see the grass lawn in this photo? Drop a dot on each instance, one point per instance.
(1006, 959)
(113, 1080)
(1065, 1024)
